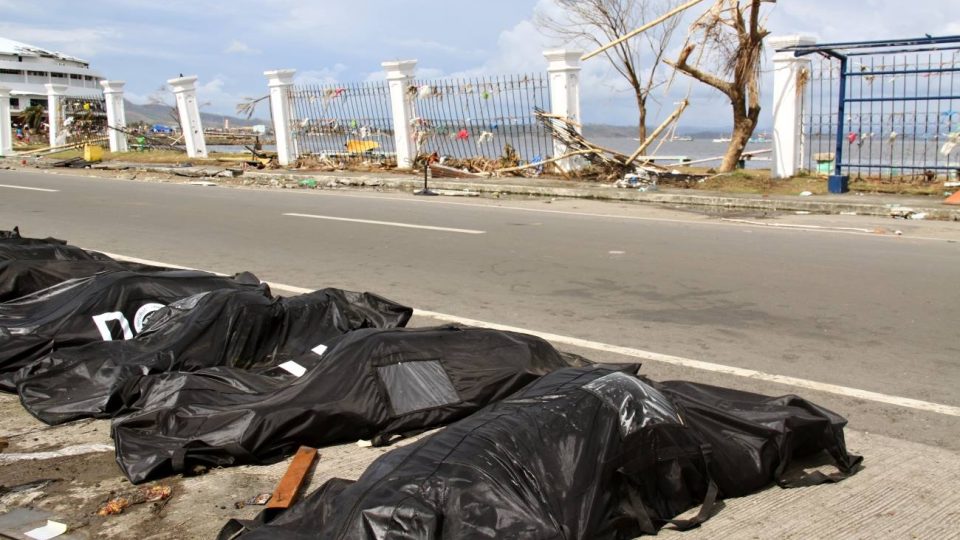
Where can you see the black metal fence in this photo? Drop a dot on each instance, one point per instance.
(350, 120)
(883, 109)
(486, 117)
(84, 118)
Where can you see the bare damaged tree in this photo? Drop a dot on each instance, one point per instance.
(600, 21)
(733, 38)
(162, 97)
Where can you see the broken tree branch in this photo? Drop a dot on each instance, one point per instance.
(656, 133)
(682, 66)
(542, 162)
(647, 26)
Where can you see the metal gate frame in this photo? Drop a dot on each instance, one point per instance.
(843, 52)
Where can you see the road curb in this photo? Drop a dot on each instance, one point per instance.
(608, 193)
(602, 192)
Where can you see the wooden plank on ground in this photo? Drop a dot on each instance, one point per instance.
(289, 487)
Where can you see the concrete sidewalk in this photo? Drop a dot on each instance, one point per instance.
(884, 205)
(905, 490)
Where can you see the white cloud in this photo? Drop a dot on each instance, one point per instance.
(239, 47)
(421, 45)
(213, 95)
(145, 42)
(321, 76)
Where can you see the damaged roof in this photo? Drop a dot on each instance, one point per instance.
(11, 47)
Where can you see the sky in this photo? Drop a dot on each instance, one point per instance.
(229, 44)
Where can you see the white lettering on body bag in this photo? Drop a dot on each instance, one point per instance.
(141, 315)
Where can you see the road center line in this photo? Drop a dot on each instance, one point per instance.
(29, 188)
(388, 223)
(679, 361)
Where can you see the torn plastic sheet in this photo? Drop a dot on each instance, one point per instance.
(237, 328)
(552, 461)
(106, 306)
(222, 417)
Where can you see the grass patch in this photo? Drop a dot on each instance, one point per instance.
(760, 182)
(159, 157)
(170, 157)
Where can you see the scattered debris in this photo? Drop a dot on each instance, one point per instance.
(457, 192)
(645, 179)
(609, 164)
(901, 212)
(72, 163)
(806, 193)
(203, 183)
(259, 499)
(918, 215)
(444, 171)
(289, 486)
(117, 505)
(308, 183)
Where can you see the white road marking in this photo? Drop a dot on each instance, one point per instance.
(29, 188)
(679, 361)
(388, 223)
(729, 223)
(149, 262)
(703, 221)
(67, 451)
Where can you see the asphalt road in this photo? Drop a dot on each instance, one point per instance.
(867, 311)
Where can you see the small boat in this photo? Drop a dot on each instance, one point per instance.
(681, 138)
(723, 139)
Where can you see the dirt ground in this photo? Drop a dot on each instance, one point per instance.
(71, 488)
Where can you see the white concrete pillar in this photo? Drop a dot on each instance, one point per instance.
(55, 113)
(116, 115)
(788, 96)
(280, 82)
(6, 133)
(563, 67)
(400, 77)
(185, 91)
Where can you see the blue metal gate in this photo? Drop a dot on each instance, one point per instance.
(883, 109)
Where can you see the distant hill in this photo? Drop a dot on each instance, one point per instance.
(161, 114)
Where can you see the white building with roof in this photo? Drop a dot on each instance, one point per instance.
(25, 69)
